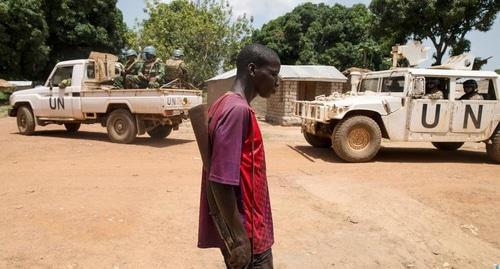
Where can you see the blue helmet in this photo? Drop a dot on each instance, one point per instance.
(178, 53)
(131, 52)
(150, 50)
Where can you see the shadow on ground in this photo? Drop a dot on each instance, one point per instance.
(400, 155)
(103, 137)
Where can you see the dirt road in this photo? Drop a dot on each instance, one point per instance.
(79, 201)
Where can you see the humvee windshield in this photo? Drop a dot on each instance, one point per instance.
(370, 84)
(393, 84)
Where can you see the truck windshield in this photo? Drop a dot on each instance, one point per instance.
(62, 73)
(370, 84)
(393, 84)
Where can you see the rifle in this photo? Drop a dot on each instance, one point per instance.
(199, 121)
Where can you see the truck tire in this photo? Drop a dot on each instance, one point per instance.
(121, 126)
(72, 127)
(447, 146)
(317, 141)
(357, 139)
(160, 132)
(25, 121)
(493, 149)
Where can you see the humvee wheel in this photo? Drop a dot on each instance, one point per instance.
(160, 132)
(121, 127)
(493, 149)
(25, 121)
(356, 139)
(72, 127)
(317, 141)
(447, 146)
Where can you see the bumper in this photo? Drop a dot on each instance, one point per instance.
(12, 112)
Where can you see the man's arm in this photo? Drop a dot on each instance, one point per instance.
(226, 201)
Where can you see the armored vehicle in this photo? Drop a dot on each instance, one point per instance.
(394, 104)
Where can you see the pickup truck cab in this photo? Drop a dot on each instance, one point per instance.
(392, 104)
(75, 93)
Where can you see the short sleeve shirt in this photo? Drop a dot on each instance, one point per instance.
(238, 160)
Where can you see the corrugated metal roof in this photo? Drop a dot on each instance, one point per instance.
(299, 72)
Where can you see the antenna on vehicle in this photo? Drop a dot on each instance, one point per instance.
(413, 51)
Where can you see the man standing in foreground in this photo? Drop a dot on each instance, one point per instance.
(237, 175)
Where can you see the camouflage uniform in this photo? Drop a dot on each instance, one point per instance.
(150, 75)
(132, 67)
(434, 94)
(472, 96)
(175, 69)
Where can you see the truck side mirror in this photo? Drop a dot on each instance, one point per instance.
(51, 84)
(418, 87)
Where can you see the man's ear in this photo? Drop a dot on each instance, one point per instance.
(251, 69)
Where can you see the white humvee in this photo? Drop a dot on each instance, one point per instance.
(76, 93)
(389, 104)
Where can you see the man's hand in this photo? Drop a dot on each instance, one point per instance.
(241, 255)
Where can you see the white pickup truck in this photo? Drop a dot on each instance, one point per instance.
(74, 94)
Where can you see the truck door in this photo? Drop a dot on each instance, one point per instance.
(59, 103)
(473, 115)
(430, 115)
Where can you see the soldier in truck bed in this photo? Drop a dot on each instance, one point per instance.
(175, 67)
(151, 74)
(132, 68)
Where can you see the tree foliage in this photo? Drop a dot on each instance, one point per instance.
(77, 27)
(321, 34)
(497, 71)
(444, 22)
(35, 34)
(206, 32)
(23, 33)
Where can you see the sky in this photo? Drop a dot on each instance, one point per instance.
(483, 44)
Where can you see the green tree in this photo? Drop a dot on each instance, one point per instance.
(205, 31)
(444, 22)
(23, 32)
(77, 27)
(321, 34)
(497, 71)
(35, 34)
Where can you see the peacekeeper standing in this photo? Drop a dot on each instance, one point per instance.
(151, 73)
(132, 67)
(175, 67)
(470, 89)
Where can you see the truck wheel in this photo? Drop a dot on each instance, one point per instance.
(317, 141)
(121, 127)
(447, 146)
(493, 149)
(356, 139)
(25, 121)
(160, 132)
(72, 127)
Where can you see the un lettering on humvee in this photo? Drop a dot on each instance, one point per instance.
(390, 104)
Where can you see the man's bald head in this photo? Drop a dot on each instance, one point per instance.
(257, 54)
